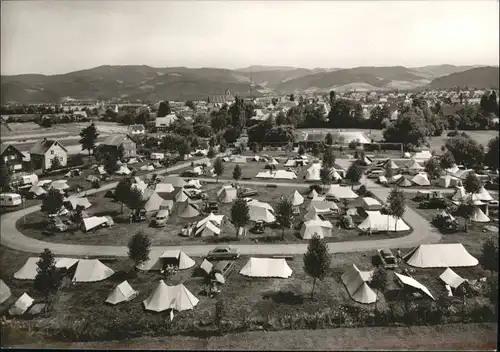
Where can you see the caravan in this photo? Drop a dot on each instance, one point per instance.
(10, 200)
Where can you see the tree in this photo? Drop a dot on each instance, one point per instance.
(409, 128)
(240, 215)
(325, 176)
(329, 139)
(284, 215)
(388, 170)
(5, 176)
(472, 183)
(489, 253)
(222, 145)
(332, 97)
(139, 247)
(201, 130)
(466, 151)
(397, 204)
(135, 201)
(433, 168)
(379, 280)
(292, 97)
(491, 159)
(183, 148)
(301, 150)
(465, 211)
(122, 192)
(316, 260)
(354, 173)
(53, 202)
(218, 168)
(55, 163)
(447, 160)
(88, 138)
(231, 134)
(190, 104)
(111, 164)
(328, 157)
(163, 109)
(47, 277)
(237, 173)
(211, 153)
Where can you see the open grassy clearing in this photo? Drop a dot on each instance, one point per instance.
(120, 233)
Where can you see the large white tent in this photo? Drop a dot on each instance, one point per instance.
(449, 277)
(78, 201)
(260, 211)
(323, 206)
(449, 181)
(296, 198)
(28, 270)
(266, 267)
(355, 283)
(164, 188)
(340, 192)
(285, 175)
(91, 270)
(181, 196)
(154, 203)
(319, 227)
(179, 258)
(441, 255)
(4, 292)
(482, 195)
(94, 221)
(422, 155)
(459, 194)
(22, 305)
(208, 229)
(370, 203)
(377, 222)
(122, 293)
(175, 181)
(394, 178)
(409, 281)
(313, 173)
(165, 297)
(421, 179)
(391, 164)
(414, 166)
(216, 219)
(227, 194)
(188, 210)
(404, 182)
(265, 174)
(479, 215)
(65, 263)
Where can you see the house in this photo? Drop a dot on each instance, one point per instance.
(12, 156)
(137, 130)
(219, 100)
(44, 151)
(80, 114)
(113, 143)
(165, 122)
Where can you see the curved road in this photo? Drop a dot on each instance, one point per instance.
(423, 232)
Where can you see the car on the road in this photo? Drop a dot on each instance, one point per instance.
(387, 259)
(248, 192)
(375, 173)
(223, 253)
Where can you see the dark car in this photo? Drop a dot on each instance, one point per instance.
(139, 215)
(248, 192)
(387, 259)
(258, 228)
(223, 253)
(213, 207)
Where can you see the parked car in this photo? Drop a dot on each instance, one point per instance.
(139, 215)
(212, 207)
(387, 259)
(375, 173)
(258, 227)
(160, 218)
(223, 253)
(347, 222)
(248, 192)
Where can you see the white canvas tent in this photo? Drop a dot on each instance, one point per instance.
(285, 175)
(414, 166)
(22, 305)
(164, 188)
(194, 183)
(93, 221)
(323, 206)
(377, 222)
(449, 277)
(227, 194)
(28, 270)
(65, 263)
(313, 194)
(183, 260)
(78, 201)
(239, 159)
(4, 292)
(175, 181)
(266, 267)
(321, 228)
(217, 219)
(123, 170)
(421, 179)
(188, 210)
(165, 297)
(206, 266)
(340, 192)
(442, 255)
(154, 203)
(59, 185)
(296, 198)
(422, 155)
(370, 203)
(140, 185)
(482, 195)
(313, 173)
(37, 190)
(391, 164)
(448, 181)
(208, 229)
(404, 182)
(181, 196)
(355, 283)
(479, 216)
(459, 195)
(260, 212)
(91, 270)
(122, 293)
(312, 214)
(265, 174)
(409, 281)
(394, 178)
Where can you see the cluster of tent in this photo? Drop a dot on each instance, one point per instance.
(209, 226)
(227, 194)
(279, 174)
(40, 187)
(313, 173)
(419, 179)
(267, 267)
(479, 199)
(177, 258)
(260, 211)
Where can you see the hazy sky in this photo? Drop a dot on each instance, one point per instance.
(61, 36)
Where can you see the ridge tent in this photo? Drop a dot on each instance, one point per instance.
(312, 214)
(266, 267)
(391, 164)
(181, 196)
(123, 292)
(449, 277)
(194, 183)
(91, 270)
(208, 229)
(175, 181)
(265, 174)
(164, 188)
(217, 219)
(421, 180)
(447, 181)
(4, 292)
(123, 170)
(28, 270)
(482, 194)
(296, 198)
(22, 304)
(370, 203)
(409, 281)
(340, 192)
(227, 195)
(479, 216)
(335, 175)
(78, 201)
(188, 210)
(377, 222)
(259, 213)
(321, 228)
(414, 166)
(423, 155)
(320, 206)
(37, 190)
(313, 194)
(442, 255)
(355, 283)
(177, 258)
(206, 266)
(153, 203)
(459, 194)
(59, 185)
(313, 173)
(95, 221)
(404, 182)
(290, 163)
(65, 263)
(394, 178)
(165, 297)
(285, 175)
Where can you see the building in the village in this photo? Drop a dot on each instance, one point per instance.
(135, 130)
(219, 100)
(12, 157)
(43, 153)
(112, 144)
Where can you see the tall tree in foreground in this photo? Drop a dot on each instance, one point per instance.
(447, 160)
(237, 173)
(316, 260)
(47, 277)
(492, 155)
(211, 153)
(329, 139)
(139, 247)
(284, 215)
(218, 168)
(465, 211)
(354, 173)
(88, 138)
(53, 202)
(135, 200)
(397, 205)
(472, 183)
(489, 254)
(433, 168)
(325, 176)
(122, 191)
(328, 157)
(379, 281)
(240, 215)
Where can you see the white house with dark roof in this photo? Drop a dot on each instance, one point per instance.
(44, 151)
(135, 130)
(113, 143)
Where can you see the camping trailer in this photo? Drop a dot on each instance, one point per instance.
(157, 156)
(10, 200)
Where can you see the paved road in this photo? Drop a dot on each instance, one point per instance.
(423, 232)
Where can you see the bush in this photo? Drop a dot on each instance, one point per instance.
(452, 133)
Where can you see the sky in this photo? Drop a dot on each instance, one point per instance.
(51, 37)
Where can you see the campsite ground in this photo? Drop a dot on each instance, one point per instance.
(120, 233)
(264, 300)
